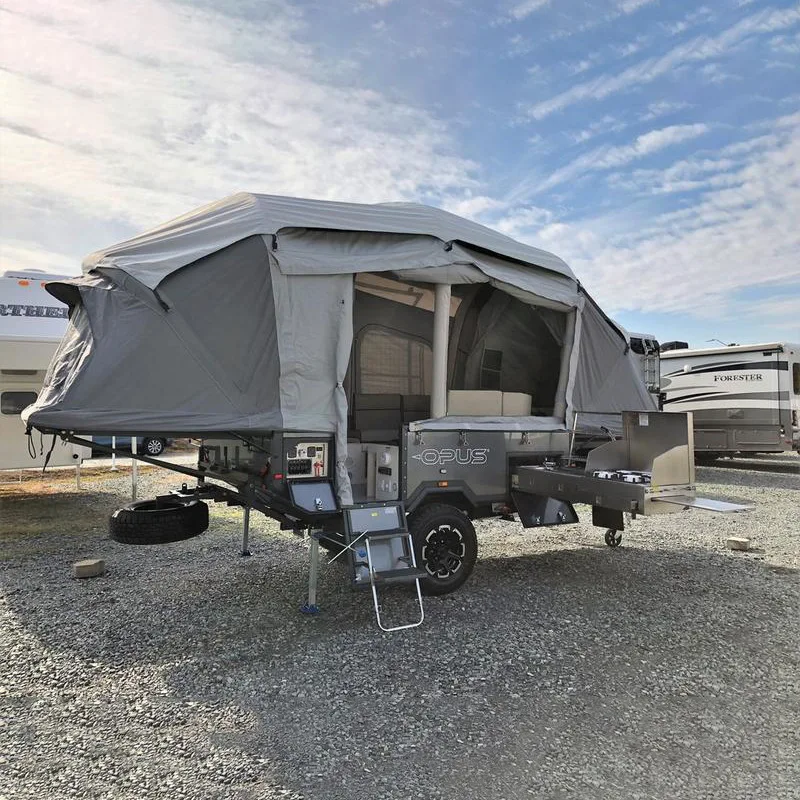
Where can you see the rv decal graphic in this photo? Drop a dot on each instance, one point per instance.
(448, 455)
(756, 377)
(17, 310)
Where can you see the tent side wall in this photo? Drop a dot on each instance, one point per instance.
(605, 379)
(206, 362)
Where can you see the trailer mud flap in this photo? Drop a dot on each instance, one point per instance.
(537, 510)
(608, 518)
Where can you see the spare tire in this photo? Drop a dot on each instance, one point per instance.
(158, 521)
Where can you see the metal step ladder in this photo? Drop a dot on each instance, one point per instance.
(381, 553)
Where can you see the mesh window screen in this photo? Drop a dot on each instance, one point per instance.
(391, 363)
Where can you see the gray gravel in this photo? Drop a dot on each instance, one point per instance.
(665, 668)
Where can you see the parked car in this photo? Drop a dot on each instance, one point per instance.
(147, 445)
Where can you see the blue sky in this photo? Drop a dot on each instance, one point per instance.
(653, 145)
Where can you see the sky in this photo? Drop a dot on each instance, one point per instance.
(653, 145)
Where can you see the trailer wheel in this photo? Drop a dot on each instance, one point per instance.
(613, 538)
(445, 546)
(158, 521)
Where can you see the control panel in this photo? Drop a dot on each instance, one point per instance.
(374, 471)
(306, 459)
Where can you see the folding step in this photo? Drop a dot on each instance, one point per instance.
(378, 537)
(381, 552)
(405, 575)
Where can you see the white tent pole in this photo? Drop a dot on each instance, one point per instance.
(441, 333)
(560, 409)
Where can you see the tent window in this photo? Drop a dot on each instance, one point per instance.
(491, 369)
(16, 402)
(391, 362)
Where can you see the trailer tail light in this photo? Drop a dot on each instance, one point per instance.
(443, 484)
(278, 476)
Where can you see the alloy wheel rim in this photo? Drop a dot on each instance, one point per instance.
(443, 551)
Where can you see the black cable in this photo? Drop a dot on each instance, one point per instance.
(49, 453)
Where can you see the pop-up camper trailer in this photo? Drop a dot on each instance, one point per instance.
(355, 368)
(31, 326)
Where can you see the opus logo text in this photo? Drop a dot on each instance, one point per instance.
(465, 456)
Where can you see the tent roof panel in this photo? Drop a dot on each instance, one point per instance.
(153, 255)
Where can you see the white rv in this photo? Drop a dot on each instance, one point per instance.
(31, 326)
(745, 398)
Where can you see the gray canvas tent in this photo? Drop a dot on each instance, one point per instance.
(260, 312)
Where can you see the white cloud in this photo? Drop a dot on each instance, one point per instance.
(124, 116)
(701, 48)
(520, 221)
(691, 20)
(786, 44)
(584, 64)
(736, 234)
(630, 48)
(368, 5)
(663, 108)
(472, 206)
(629, 6)
(527, 7)
(518, 45)
(713, 73)
(15, 253)
(604, 158)
(650, 142)
(606, 124)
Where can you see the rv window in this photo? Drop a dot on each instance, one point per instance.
(391, 362)
(16, 402)
(796, 377)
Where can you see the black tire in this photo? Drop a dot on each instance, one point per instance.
(158, 522)
(445, 545)
(613, 537)
(153, 446)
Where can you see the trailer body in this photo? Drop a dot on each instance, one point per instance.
(744, 398)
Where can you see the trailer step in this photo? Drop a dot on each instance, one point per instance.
(378, 536)
(406, 575)
(381, 553)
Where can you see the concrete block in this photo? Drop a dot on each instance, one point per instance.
(90, 568)
(737, 543)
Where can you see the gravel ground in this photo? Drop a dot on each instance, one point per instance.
(665, 668)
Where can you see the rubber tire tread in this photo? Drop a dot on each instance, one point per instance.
(421, 521)
(141, 523)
